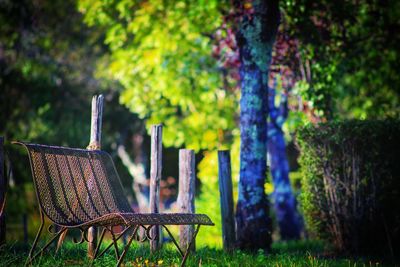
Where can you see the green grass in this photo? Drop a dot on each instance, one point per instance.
(301, 253)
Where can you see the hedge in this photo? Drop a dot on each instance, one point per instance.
(351, 184)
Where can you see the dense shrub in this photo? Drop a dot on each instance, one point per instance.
(351, 184)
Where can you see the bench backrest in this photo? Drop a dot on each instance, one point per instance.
(74, 186)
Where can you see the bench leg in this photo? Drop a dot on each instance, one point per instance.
(113, 243)
(132, 236)
(186, 254)
(174, 241)
(31, 255)
(29, 259)
(127, 246)
(99, 244)
(190, 245)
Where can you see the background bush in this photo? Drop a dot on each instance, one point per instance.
(351, 184)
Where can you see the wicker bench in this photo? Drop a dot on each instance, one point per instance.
(78, 188)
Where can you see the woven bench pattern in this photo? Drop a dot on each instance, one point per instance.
(78, 187)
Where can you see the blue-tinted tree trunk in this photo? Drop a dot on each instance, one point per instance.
(284, 201)
(255, 38)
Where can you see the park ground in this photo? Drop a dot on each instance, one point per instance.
(299, 253)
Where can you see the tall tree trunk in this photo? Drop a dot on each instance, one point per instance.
(284, 201)
(255, 38)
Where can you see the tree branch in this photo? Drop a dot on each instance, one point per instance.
(139, 177)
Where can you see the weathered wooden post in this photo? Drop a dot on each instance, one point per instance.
(2, 193)
(186, 195)
(155, 178)
(95, 144)
(226, 196)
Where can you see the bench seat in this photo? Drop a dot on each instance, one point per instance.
(80, 188)
(127, 219)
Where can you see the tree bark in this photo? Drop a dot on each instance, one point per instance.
(284, 201)
(226, 197)
(255, 37)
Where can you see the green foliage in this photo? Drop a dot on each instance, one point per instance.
(350, 182)
(349, 52)
(44, 72)
(47, 62)
(161, 54)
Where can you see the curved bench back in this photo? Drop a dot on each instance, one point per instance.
(74, 186)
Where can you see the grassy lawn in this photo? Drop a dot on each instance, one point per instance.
(302, 253)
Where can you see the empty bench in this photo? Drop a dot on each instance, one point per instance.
(78, 189)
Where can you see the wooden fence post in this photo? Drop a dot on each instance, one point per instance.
(155, 178)
(226, 197)
(95, 144)
(2, 193)
(186, 195)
